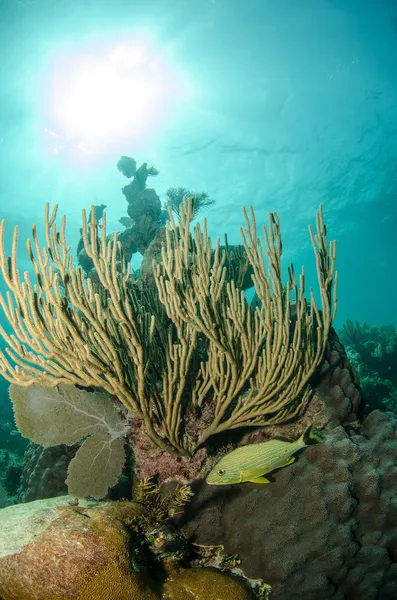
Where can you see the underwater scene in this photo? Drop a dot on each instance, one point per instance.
(198, 300)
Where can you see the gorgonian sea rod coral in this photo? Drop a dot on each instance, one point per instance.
(192, 360)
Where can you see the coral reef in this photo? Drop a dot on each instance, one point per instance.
(67, 415)
(376, 346)
(84, 553)
(373, 352)
(153, 461)
(336, 401)
(146, 215)
(127, 166)
(176, 195)
(145, 212)
(205, 584)
(4, 500)
(153, 253)
(326, 527)
(12, 448)
(11, 466)
(193, 361)
(54, 549)
(44, 472)
(177, 368)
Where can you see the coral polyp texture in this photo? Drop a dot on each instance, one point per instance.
(373, 351)
(44, 472)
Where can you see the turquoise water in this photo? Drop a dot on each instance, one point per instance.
(278, 105)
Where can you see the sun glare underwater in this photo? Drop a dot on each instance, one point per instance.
(101, 94)
(198, 324)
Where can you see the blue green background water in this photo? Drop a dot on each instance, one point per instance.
(276, 103)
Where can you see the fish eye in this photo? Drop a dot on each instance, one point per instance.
(221, 471)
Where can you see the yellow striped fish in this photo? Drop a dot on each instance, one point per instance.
(252, 462)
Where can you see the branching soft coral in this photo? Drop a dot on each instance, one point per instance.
(195, 352)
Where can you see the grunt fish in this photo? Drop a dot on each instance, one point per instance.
(252, 462)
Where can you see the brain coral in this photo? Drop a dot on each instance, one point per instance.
(327, 525)
(50, 550)
(205, 584)
(79, 554)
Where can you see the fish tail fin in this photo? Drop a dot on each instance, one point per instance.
(310, 436)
